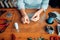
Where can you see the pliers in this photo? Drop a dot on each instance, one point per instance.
(4, 25)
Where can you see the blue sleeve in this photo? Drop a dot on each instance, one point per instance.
(20, 4)
(45, 4)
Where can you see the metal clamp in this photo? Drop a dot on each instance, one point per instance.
(49, 29)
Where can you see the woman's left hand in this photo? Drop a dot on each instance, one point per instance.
(36, 17)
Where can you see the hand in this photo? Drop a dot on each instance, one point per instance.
(36, 17)
(25, 19)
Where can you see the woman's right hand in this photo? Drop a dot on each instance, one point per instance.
(25, 19)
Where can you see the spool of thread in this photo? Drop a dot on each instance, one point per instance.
(16, 26)
(13, 37)
(51, 18)
(2, 39)
(58, 16)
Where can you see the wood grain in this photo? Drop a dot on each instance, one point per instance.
(34, 29)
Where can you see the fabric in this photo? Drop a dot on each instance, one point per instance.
(32, 4)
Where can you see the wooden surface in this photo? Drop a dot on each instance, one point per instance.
(34, 29)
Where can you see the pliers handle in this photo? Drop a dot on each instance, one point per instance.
(4, 25)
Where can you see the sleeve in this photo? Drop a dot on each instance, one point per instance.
(45, 4)
(20, 4)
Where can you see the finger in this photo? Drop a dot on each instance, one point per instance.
(27, 21)
(23, 20)
(34, 15)
(35, 19)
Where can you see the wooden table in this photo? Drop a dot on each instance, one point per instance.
(34, 29)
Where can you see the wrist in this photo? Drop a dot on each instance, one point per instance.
(40, 11)
(24, 14)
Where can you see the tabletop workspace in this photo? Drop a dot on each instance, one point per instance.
(40, 30)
